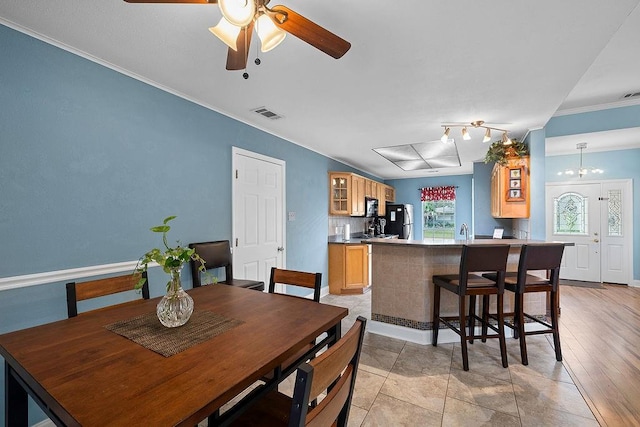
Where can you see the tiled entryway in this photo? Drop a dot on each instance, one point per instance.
(405, 384)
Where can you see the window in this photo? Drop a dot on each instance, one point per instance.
(570, 215)
(438, 212)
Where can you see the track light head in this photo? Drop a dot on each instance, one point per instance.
(445, 135)
(465, 134)
(487, 136)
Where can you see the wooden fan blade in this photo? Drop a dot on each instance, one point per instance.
(174, 1)
(310, 32)
(237, 59)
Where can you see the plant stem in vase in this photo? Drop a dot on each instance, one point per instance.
(176, 307)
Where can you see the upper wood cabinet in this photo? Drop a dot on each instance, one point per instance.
(510, 196)
(348, 190)
(389, 193)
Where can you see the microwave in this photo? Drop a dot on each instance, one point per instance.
(370, 207)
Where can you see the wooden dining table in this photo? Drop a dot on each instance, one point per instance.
(83, 374)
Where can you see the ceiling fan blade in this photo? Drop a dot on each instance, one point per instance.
(173, 1)
(310, 32)
(237, 59)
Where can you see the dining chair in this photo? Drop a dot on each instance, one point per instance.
(332, 372)
(300, 279)
(217, 254)
(474, 259)
(535, 257)
(102, 287)
(305, 280)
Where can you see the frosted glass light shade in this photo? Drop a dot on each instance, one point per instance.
(227, 32)
(465, 134)
(238, 12)
(270, 35)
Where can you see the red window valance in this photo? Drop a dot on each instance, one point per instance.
(430, 194)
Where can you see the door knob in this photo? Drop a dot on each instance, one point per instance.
(595, 240)
(280, 248)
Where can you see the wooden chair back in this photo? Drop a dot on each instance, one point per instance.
(215, 254)
(476, 258)
(540, 256)
(333, 371)
(296, 278)
(102, 287)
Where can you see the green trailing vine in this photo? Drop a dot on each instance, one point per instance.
(500, 153)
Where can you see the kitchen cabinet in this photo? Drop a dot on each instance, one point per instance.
(348, 190)
(357, 195)
(382, 206)
(389, 194)
(371, 188)
(348, 268)
(510, 196)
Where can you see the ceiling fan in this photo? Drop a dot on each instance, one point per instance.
(240, 17)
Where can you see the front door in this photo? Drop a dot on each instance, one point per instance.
(596, 217)
(258, 215)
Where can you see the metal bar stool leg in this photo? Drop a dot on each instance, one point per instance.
(463, 332)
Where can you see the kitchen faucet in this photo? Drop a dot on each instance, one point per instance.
(464, 230)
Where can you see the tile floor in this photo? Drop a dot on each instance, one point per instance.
(405, 384)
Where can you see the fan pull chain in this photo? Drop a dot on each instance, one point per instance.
(246, 54)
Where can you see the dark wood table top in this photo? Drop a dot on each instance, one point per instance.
(91, 376)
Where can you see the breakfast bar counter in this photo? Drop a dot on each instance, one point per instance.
(402, 289)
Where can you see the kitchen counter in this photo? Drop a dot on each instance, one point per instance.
(358, 238)
(402, 287)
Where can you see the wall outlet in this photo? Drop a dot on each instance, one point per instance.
(292, 216)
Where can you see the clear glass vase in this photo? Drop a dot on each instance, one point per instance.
(176, 307)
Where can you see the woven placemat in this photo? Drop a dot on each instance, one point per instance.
(147, 331)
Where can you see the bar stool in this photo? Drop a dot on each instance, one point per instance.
(475, 258)
(535, 256)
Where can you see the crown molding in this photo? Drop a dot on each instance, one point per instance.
(596, 107)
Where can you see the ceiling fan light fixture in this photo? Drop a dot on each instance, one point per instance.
(465, 134)
(270, 35)
(445, 135)
(487, 136)
(227, 32)
(238, 12)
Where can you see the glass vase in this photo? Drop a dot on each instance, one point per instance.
(176, 307)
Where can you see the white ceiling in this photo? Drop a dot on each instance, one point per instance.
(413, 66)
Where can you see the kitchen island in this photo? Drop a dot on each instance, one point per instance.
(402, 289)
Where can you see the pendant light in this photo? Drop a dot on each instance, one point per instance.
(238, 12)
(270, 35)
(582, 170)
(227, 32)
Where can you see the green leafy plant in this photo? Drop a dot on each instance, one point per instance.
(169, 258)
(500, 153)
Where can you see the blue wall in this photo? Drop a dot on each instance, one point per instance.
(90, 159)
(408, 192)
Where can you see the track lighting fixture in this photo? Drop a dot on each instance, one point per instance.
(445, 135)
(476, 124)
(487, 136)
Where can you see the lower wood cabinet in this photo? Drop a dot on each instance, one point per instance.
(348, 268)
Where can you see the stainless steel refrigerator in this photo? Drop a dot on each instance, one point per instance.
(399, 221)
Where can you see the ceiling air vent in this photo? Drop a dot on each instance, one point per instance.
(264, 111)
(631, 95)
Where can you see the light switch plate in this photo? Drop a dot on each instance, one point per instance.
(292, 216)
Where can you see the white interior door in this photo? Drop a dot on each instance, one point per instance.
(258, 215)
(595, 216)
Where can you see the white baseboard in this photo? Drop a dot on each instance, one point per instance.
(424, 337)
(635, 283)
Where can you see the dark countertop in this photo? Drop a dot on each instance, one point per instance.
(455, 243)
(357, 238)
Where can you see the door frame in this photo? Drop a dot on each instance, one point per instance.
(628, 202)
(261, 157)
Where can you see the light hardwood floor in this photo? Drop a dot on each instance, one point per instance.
(600, 333)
